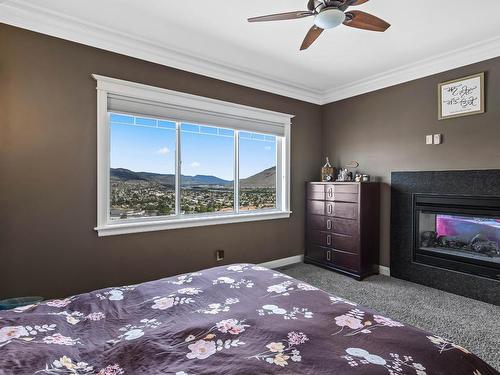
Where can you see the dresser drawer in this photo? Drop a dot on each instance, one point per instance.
(318, 222)
(345, 188)
(315, 192)
(316, 253)
(344, 226)
(334, 258)
(342, 260)
(315, 207)
(341, 197)
(333, 240)
(332, 224)
(331, 189)
(341, 209)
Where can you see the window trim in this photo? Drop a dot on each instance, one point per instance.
(105, 227)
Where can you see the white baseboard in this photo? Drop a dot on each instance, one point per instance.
(283, 262)
(383, 270)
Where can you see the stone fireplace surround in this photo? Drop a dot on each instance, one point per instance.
(403, 186)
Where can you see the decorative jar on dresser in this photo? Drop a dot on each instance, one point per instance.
(343, 227)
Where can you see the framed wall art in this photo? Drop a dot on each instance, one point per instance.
(461, 97)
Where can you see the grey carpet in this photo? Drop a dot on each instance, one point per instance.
(467, 322)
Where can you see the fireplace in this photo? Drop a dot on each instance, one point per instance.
(460, 233)
(445, 231)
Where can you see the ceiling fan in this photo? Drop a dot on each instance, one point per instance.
(327, 15)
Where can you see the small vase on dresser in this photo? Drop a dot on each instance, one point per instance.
(342, 232)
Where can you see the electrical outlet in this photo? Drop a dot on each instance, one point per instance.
(219, 255)
(428, 139)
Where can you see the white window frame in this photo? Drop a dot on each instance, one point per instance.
(107, 227)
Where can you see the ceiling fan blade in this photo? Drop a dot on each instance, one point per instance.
(359, 2)
(311, 5)
(282, 16)
(362, 20)
(312, 35)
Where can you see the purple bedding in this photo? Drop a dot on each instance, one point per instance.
(239, 319)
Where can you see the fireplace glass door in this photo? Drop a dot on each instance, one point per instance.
(459, 233)
(463, 236)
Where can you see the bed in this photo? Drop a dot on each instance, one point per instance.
(238, 319)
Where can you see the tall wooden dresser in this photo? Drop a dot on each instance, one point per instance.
(343, 227)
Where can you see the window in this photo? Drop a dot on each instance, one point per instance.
(171, 160)
(257, 171)
(142, 172)
(207, 164)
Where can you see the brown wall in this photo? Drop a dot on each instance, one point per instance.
(48, 174)
(385, 131)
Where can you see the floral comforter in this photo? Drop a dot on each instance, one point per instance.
(239, 319)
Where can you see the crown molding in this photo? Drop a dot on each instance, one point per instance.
(470, 54)
(21, 13)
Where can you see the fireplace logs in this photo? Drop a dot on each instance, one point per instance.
(479, 244)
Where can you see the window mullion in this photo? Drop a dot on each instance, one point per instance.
(236, 183)
(178, 169)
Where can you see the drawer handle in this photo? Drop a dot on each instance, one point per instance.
(329, 240)
(329, 224)
(330, 192)
(328, 255)
(330, 208)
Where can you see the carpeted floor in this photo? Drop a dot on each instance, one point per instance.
(470, 323)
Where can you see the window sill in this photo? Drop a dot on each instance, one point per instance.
(151, 226)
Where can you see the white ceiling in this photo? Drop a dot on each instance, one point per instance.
(214, 38)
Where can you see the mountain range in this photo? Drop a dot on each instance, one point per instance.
(263, 179)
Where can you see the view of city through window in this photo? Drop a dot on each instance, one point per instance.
(207, 155)
(142, 176)
(257, 171)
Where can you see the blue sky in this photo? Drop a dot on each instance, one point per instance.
(148, 145)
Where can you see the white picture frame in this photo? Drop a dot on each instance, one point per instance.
(461, 97)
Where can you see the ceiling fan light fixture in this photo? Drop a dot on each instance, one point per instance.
(329, 18)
